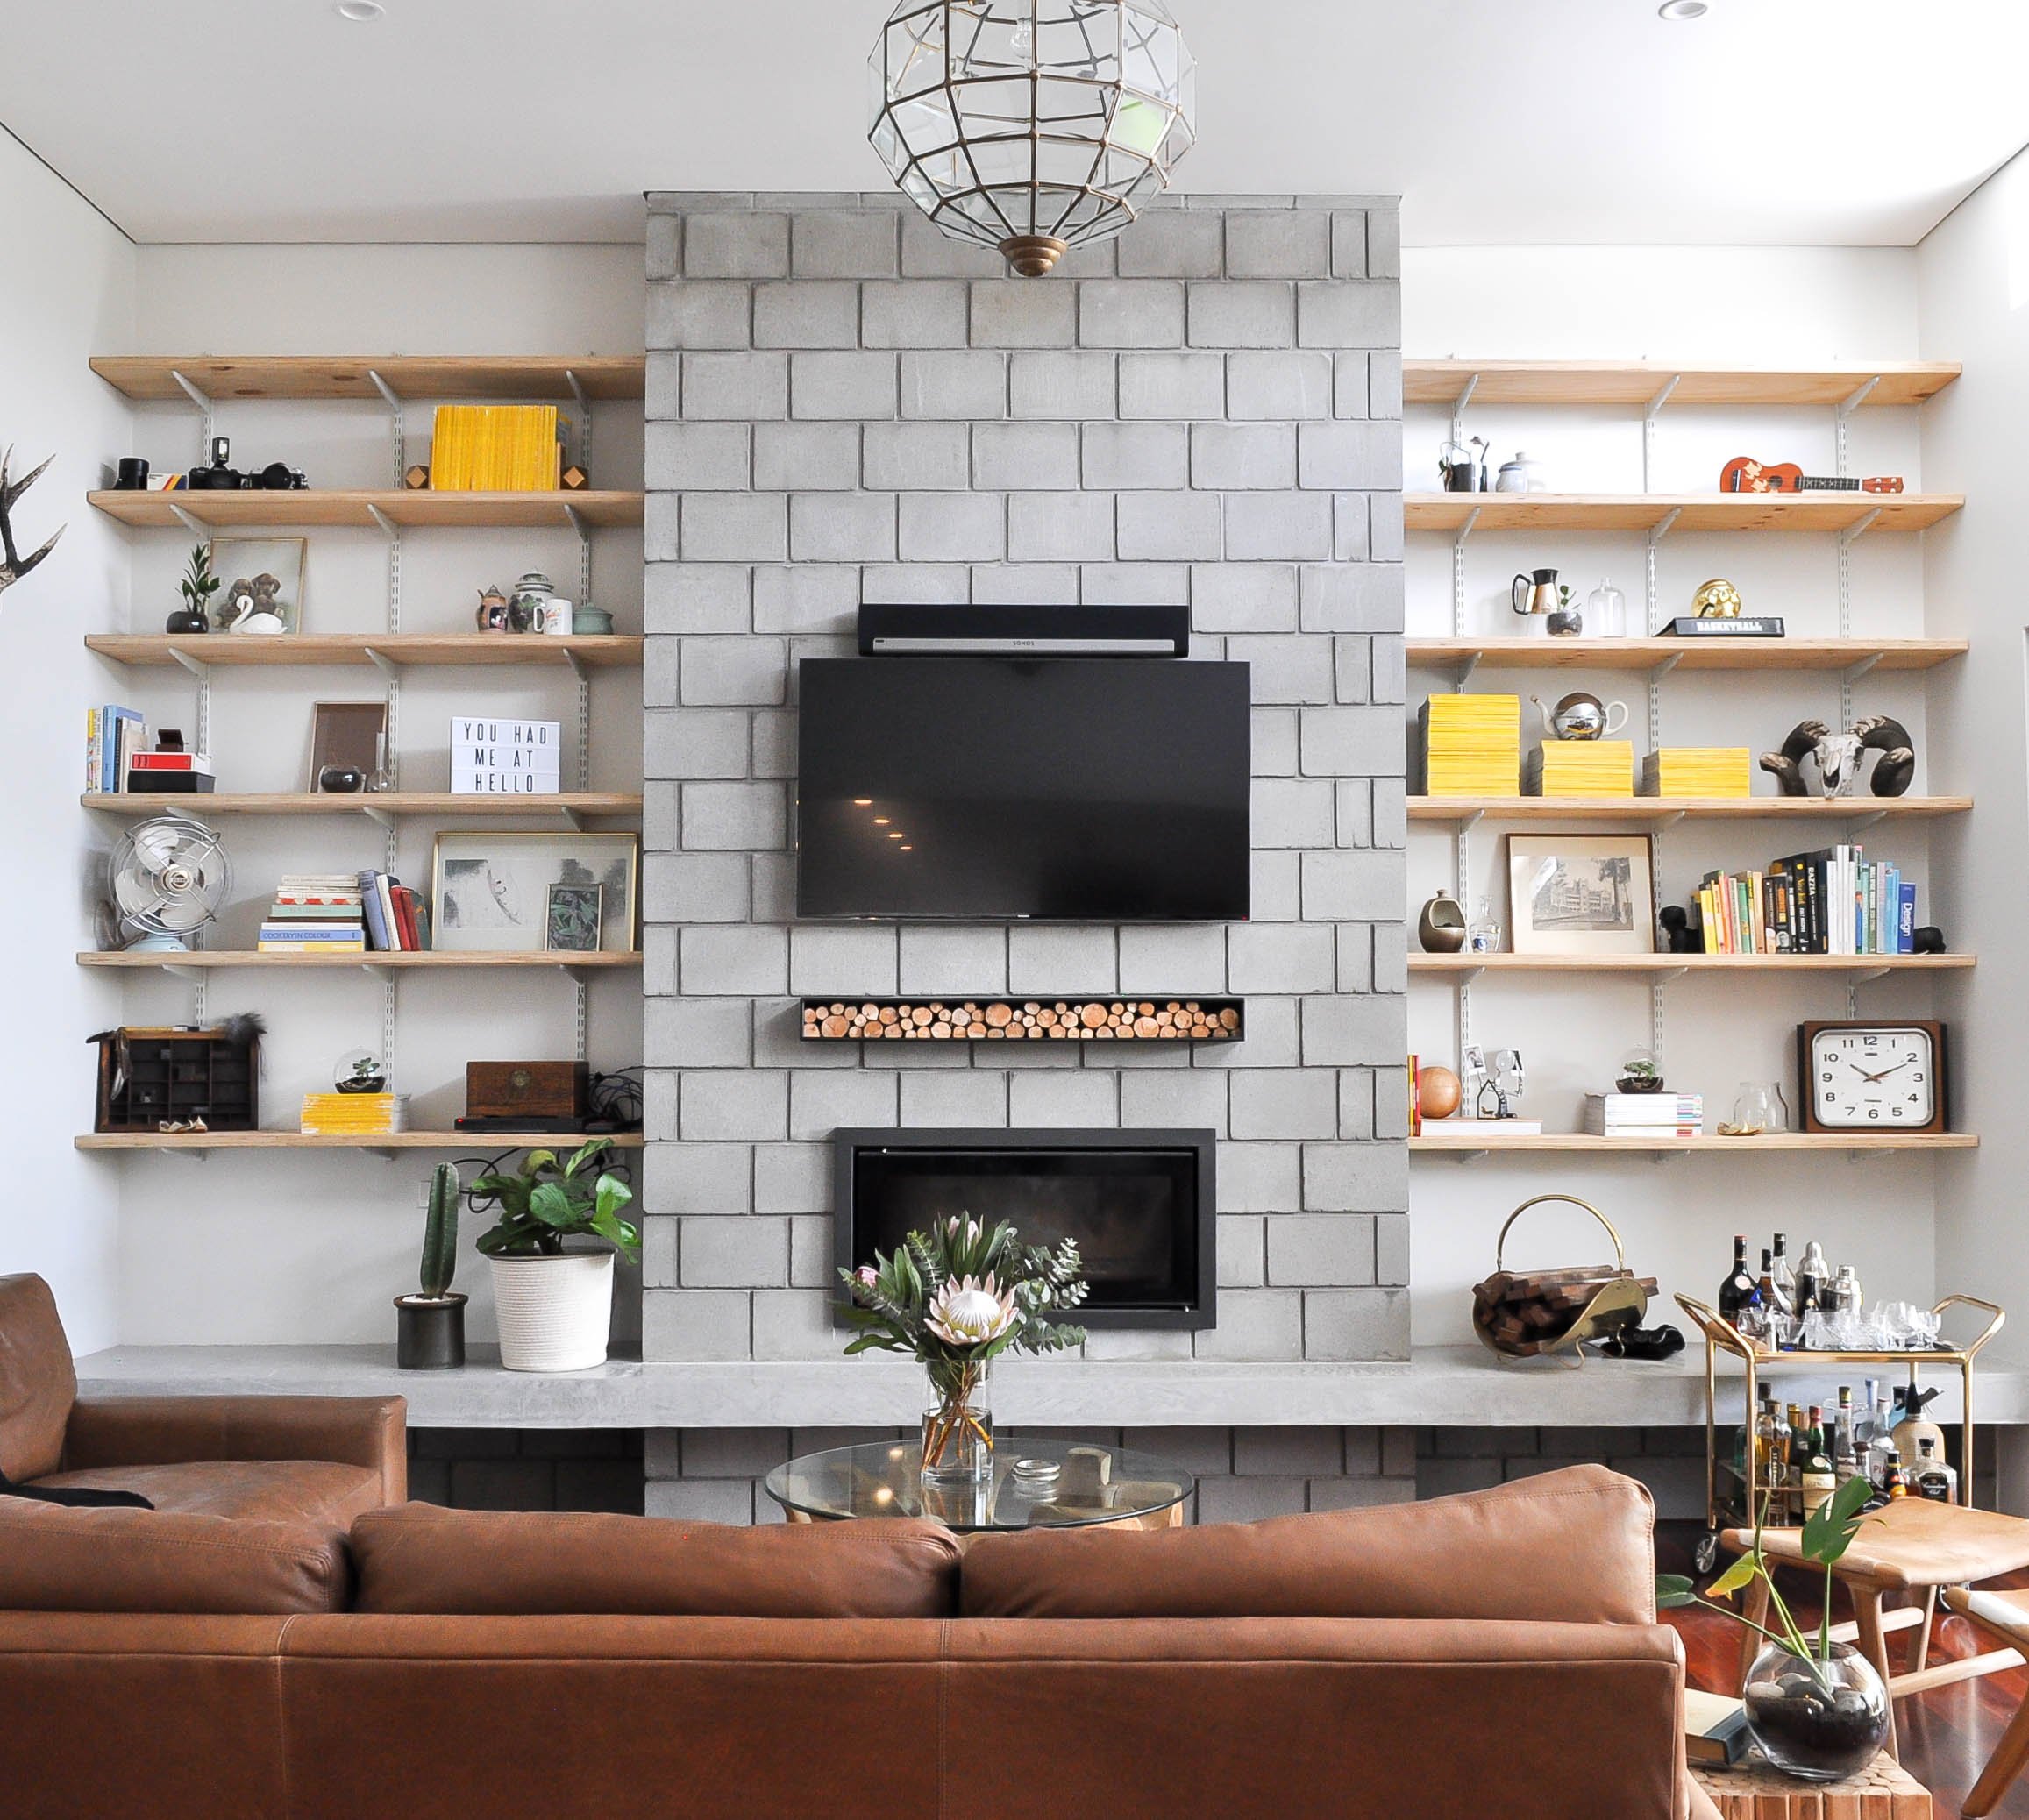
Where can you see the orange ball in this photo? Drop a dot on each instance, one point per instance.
(1437, 1093)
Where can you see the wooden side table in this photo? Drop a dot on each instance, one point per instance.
(1753, 1791)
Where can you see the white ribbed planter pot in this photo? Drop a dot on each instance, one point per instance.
(556, 1313)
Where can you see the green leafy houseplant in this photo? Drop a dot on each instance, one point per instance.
(549, 1199)
(199, 584)
(955, 1298)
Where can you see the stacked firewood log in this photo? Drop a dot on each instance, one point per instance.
(1065, 1020)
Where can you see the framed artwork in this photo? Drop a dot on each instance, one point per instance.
(263, 584)
(573, 927)
(346, 736)
(490, 891)
(1582, 894)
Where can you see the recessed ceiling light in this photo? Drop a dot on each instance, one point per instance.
(1681, 10)
(360, 11)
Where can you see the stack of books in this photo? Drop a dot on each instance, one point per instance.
(497, 448)
(1580, 767)
(1833, 901)
(1472, 745)
(1697, 770)
(396, 921)
(112, 738)
(315, 913)
(354, 1114)
(172, 773)
(1644, 1114)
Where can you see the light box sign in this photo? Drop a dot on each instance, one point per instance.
(497, 757)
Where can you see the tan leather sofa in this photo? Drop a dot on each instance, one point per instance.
(1489, 1657)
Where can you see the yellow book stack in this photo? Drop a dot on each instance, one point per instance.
(1580, 767)
(495, 448)
(1471, 745)
(354, 1114)
(1697, 770)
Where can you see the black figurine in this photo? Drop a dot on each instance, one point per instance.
(1683, 935)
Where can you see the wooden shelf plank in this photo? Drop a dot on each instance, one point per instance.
(134, 961)
(151, 378)
(406, 802)
(1690, 653)
(1645, 511)
(1446, 965)
(320, 507)
(1556, 1142)
(1665, 808)
(448, 650)
(1635, 382)
(488, 1142)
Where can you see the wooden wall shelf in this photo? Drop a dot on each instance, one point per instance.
(1639, 382)
(1671, 808)
(428, 959)
(402, 803)
(1643, 965)
(436, 650)
(407, 510)
(478, 1142)
(1687, 653)
(152, 378)
(1562, 1142)
(1150, 1017)
(1651, 511)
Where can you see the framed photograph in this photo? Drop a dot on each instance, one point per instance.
(1582, 894)
(490, 891)
(346, 736)
(573, 921)
(261, 586)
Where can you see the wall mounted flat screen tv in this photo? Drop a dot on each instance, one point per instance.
(1080, 789)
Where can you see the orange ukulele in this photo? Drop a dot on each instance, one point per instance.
(1744, 474)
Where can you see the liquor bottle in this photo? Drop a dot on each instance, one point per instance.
(1845, 1451)
(1814, 1442)
(1765, 1442)
(1881, 1453)
(1896, 1487)
(1783, 1277)
(1819, 1481)
(1813, 1280)
(1799, 1455)
(1739, 1285)
(1765, 1286)
(1912, 1428)
(1933, 1478)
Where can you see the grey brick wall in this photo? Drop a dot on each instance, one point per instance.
(844, 405)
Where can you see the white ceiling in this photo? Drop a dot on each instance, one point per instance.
(1779, 121)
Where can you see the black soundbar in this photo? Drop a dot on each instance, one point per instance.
(917, 630)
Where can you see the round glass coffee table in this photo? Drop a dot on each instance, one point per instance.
(1035, 1484)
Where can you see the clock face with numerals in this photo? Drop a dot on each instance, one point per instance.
(1873, 1076)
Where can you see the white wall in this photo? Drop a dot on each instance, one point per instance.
(280, 1246)
(68, 290)
(1756, 307)
(1973, 277)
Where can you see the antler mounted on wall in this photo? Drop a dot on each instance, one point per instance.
(14, 565)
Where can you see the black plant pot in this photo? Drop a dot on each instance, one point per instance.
(429, 1332)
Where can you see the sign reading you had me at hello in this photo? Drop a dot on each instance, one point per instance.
(504, 757)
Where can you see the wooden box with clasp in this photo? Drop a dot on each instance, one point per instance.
(526, 1089)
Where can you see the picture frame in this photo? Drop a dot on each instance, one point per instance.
(346, 734)
(1582, 894)
(243, 564)
(490, 889)
(575, 920)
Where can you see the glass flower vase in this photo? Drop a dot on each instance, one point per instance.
(1820, 1721)
(958, 1422)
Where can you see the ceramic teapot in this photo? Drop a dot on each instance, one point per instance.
(1582, 716)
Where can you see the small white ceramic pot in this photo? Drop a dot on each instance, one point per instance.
(556, 1313)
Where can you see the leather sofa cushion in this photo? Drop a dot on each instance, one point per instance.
(56, 1559)
(1575, 1545)
(418, 1557)
(313, 1491)
(37, 1383)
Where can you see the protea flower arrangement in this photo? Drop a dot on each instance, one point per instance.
(956, 1297)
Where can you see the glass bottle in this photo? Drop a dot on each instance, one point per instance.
(1895, 1486)
(1814, 1431)
(1934, 1478)
(1740, 1284)
(1845, 1451)
(1784, 1276)
(1799, 1459)
(1778, 1108)
(1483, 933)
(1771, 1297)
(1882, 1458)
(1750, 1111)
(1765, 1443)
(1606, 611)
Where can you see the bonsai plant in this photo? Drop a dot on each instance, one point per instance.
(1816, 1708)
(955, 1298)
(555, 1305)
(430, 1326)
(197, 586)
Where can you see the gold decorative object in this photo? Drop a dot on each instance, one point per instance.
(1527, 1314)
(1716, 599)
(1032, 126)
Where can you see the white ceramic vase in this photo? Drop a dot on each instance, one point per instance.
(556, 1313)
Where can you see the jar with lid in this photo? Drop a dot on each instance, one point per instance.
(1606, 611)
(527, 605)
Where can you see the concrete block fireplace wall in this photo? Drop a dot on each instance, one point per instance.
(845, 406)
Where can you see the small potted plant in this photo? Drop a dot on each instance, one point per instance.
(429, 1326)
(955, 1298)
(1639, 1078)
(197, 586)
(556, 1306)
(1816, 1708)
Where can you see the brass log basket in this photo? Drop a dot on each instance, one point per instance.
(1549, 1314)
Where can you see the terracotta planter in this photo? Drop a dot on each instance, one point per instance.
(556, 1313)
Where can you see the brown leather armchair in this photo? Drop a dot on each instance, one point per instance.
(309, 1459)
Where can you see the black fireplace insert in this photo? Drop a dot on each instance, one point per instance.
(1140, 1203)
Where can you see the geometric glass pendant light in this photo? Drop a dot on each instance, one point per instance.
(1032, 126)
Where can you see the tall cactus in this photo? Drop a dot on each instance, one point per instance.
(440, 1232)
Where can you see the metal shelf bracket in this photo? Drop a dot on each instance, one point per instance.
(1458, 406)
(1650, 413)
(189, 521)
(1841, 412)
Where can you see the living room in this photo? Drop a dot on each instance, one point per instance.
(876, 552)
